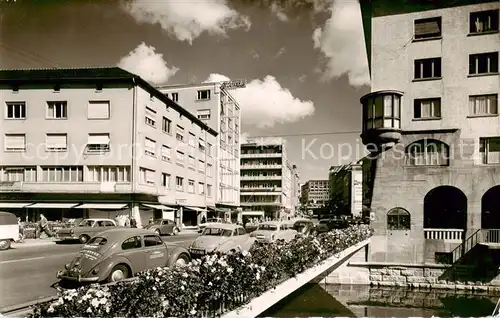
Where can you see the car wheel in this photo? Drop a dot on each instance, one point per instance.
(84, 238)
(4, 245)
(157, 231)
(181, 261)
(176, 231)
(118, 273)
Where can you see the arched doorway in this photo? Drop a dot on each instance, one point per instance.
(445, 207)
(490, 209)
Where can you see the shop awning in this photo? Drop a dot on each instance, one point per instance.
(194, 209)
(158, 207)
(53, 205)
(252, 213)
(14, 205)
(102, 206)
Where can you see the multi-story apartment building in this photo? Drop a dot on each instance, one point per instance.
(315, 193)
(213, 104)
(101, 142)
(295, 189)
(345, 185)
(266, 179)
(432, 126)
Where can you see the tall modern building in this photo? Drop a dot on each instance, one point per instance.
(432, 125)
(99, 142)
(315, 193)
(267, 179)
(346, 189)
(213, 104)
(295, 189)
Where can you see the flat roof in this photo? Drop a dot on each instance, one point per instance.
(97, 75)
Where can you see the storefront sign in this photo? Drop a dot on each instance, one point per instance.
(234, 84)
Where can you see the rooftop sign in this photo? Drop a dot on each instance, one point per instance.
(234, 84)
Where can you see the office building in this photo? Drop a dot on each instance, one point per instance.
(213, 104)
(315, 193)
(98, 142)
(267, 179)
(345, 185)
(431, 124)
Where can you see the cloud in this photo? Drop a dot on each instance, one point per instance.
(146, 63)
(187, 20)
(265, 103)
(342, 42)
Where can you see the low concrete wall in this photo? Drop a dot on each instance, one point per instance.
(351, 275)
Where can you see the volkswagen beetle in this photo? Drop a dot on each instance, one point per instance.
(120, 253)
(272, 231)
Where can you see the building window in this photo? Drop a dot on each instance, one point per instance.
(383, 111)
(98, 143)
(192, 140)
(150, 118)
(175, 97)
(150, 147)
(166, 153)
(203, 114)
(15, 142)
(147, 176)
(483, 22)
(166, 125)
(209, 190)
(204, 94)
(427, 28)
(428, 68)
(56, 142)
(191, 162)
(201, 166)
(62, 174)
(480, 105)
(165, 180)
(201, 145)
(15, 110)
(209, 170)
(427, 152)
(191, 186)
(179, 135)
(209, 149)
(489, 148)
(483, 63)
(108, 174)
(179, 183)
(180, 158)
(21, 174)
(98, 110)
(427, 108)
(57, 110)
(398, 219)
(201, 188)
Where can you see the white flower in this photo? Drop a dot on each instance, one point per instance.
(185, 275)
(89, 310)
(257, 277)
(95, 302)
(192, 312)
(182, 288)
(229, 270)
(244, 253)
(51, 309)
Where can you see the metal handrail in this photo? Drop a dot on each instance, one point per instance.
(461, 249)
(496, 311)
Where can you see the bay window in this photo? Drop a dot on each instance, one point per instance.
(382, 111)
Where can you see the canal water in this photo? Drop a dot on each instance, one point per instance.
(316, 300)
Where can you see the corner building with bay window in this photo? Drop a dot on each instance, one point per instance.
(100, 142)
(432, 126)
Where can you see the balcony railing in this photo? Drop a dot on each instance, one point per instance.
(250, 178)
(261, 155)
(491, 236)
(260, 189)
(259, 167)
(260, 203)
(444, 234)
(66, 187)
(268, 193)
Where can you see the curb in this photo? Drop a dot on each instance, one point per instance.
(32, 244)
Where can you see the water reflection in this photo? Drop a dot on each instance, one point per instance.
(364, 301)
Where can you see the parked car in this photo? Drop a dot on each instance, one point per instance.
(326, 225)
(9, 230)
(269, 232)
(221, 237)
(163, 227)
(202, 226)
(120, 253)
(305, 227)
(85, 230)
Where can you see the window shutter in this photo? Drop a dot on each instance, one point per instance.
(15, 141)
(427, 28)
(59, 141)
(149, 143)
(98, 139)
(98, 110)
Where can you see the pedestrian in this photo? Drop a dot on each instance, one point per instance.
(127, 221)
(44, 226)
(133, 223)
(21, 230)
(117, 220)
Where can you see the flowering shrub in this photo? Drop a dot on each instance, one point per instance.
(206, 287)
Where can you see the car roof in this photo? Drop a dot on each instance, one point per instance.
(271, 223)
(224, 226)
(121, 233)
(98, 219)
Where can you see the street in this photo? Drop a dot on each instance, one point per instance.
(28, 273)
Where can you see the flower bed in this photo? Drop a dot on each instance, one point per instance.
(206, 287)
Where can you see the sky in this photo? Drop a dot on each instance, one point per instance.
(304, 61)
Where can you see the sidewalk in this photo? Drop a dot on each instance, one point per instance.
(33, 243)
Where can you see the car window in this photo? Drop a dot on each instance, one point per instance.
(131, 243)
(235, 232)
(152, 240)
(108, 223)
(268, 227)
(97, 241)
(100, 223)
(241, 231)
(85, 223)
(164, 222)
(213, 231)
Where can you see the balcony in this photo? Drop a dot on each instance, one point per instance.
(381, 118)
(256, 178)
(260, 167)
(454, 235)
(260, 189)
(66, 187)
(261, 155)
(251, 203)
(261, 193)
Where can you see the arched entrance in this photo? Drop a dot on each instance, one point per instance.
(490, 209)
(445, 207)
